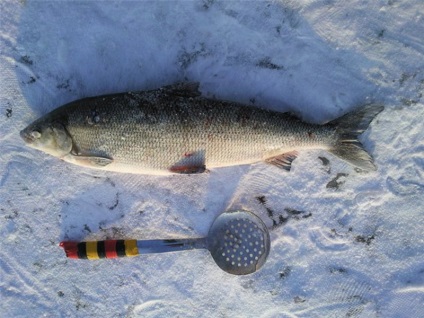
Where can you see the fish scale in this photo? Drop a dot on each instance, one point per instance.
(174, 129)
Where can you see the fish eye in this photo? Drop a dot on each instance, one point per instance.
(35, 134)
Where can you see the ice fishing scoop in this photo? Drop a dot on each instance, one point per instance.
(238, 241)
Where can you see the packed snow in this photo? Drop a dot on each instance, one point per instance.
(344, 243)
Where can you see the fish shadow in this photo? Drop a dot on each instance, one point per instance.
(112, 207)
(54, 68)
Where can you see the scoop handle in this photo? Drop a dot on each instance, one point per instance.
(100, 249)
(124, 248)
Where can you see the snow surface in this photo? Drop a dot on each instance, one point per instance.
(344, 243)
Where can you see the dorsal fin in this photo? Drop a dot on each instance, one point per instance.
(184, 89)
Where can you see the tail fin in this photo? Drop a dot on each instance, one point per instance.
(349, 127)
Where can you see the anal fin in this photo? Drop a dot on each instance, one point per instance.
(284, 160)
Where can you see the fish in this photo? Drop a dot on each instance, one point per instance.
(175, 130)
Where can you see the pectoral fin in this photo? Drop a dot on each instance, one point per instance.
(191, 162)
(284, 160)
(91, 161)
(62, 138)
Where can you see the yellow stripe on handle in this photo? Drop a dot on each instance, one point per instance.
(131, 248)
(92, 250)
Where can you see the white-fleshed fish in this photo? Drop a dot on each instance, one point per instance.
(174, 130)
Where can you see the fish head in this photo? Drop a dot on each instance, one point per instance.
(49, 137)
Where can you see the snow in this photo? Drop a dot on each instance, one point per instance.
(343, 243)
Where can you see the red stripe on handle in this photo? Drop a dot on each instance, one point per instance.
(110, 249)
(71, 249)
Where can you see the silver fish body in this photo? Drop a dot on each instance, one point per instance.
(174, 130)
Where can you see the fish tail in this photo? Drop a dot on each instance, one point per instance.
(349, 127)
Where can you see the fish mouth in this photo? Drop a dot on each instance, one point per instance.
(26, 137)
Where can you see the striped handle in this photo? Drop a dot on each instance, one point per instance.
(100, 249)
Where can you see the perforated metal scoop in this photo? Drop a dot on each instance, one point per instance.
(237, 240)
